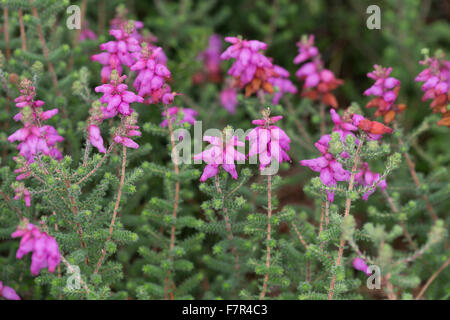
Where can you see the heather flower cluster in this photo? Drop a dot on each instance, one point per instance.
(251, 69)
(44, 248)
(220, 153)
(330, 169)
(118, 52)
(268, 141)
(152, 76)
(319, 82)
(385, 89)
(34, 137)
(436, 85)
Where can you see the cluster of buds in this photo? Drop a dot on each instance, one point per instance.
(35, 139)
(436, 78)
(385, 89)
(318, 81)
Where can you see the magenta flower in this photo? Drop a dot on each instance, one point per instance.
(117, 97)
(365, 178)
(360, 264)
(318, 81)
(436, 85)
(251, 69)
(228, 99)
(95, 137)
(35, 138)
(306, 49)
(385, 89)
(87, 33)
(282, 82)
(121, 51)
(44, 248)
(8, 293)
(220, 153)
(187, 115)
(127, 130)
(268, 141)
(152, 75)
(331, 171)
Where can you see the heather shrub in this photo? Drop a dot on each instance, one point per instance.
(224, 150)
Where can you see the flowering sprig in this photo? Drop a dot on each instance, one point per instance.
(222, 152)
(35, 138)
(251, 69)
(319, 82)
(385, 89)
(120, 52)
(153, 74)
(436, 79)
(268, 141)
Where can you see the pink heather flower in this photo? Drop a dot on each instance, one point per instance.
(360, 264)
(211, 59)
(118, 98)
(306, 49)
(248, 58)
(34, 137)
(121, 51)
(228, 99)
(385, 89)
(436, 85)
(152, 77)
(282, 82)
(44, 247)
(8, 293)
(22, 192)
(251, 69)
(220, 153)
(95, 137)
(268, 141)
(331, 171)
(318, 81)
(187, 115)
(126, 131)
(365, 178)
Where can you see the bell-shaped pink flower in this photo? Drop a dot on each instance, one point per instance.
(44, 248)
(268, 142)
(220, 153)
(8, 293)
(360, 264)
